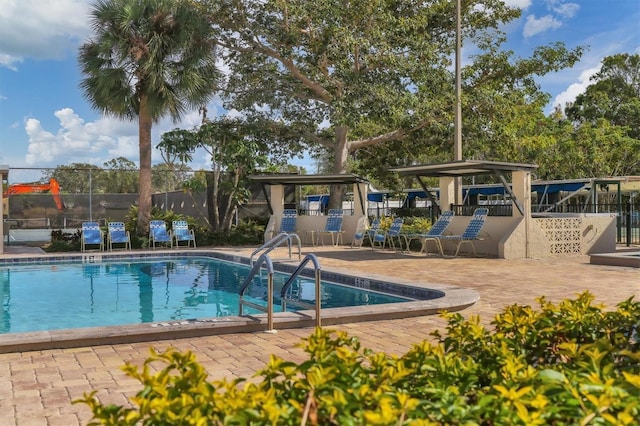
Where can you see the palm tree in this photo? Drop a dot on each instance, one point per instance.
(148, 59)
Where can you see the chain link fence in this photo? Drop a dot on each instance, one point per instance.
(108, 195)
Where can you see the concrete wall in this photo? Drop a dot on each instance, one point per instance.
(598, 233)
(523, 242)
(306, 224)
(507, 237)
(496, 232)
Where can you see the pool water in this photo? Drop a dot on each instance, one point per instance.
(54, 296)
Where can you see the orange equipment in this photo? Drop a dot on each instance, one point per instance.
(34, 188)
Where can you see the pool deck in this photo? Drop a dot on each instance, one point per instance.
(38, 386)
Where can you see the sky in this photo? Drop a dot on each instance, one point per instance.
(45, 120)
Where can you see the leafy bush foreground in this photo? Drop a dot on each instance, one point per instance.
(573, 363)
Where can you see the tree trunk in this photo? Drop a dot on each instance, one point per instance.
(231, 206)
(212, 200)
(215, 198)
(336, 192)
(144, 141)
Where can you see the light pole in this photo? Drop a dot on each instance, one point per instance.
(457, 128)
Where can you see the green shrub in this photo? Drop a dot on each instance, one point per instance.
(410, 225)
(247, 232)
(62, 241)
(568, 364)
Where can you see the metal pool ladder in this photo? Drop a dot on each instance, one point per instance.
(276, 242)
(265, 260)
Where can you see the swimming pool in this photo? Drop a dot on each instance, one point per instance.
(69, 295)
(428, 298)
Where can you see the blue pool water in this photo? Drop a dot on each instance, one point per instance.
(53, 296)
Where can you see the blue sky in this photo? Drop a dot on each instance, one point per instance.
(45, 121)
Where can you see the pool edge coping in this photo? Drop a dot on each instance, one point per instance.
(454, 299)
(624, 258)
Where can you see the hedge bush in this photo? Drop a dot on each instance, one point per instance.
(573, 363)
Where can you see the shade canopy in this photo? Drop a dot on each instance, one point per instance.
(462, 168)
(295, 179)
(455, 169)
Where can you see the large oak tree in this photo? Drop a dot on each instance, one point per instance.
(345, 76)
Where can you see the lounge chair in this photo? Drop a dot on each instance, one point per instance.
(158, 234)
(470, 234)
(181, 232)
(437, 229)
(92, 236)
(436, 232)
(333, 227)
(375, 225)
(117, 234)
(288, 221)
(365, 231)
(381, 237)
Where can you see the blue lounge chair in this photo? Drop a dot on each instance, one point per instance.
(288, 221)
(375, 225)
(92, 236)
(437, 229)
(365, 231)
(333, 227)
(436, 232)
(382, 237)
(181, 232)
(470, 234)
(158, 233)
(117, 234)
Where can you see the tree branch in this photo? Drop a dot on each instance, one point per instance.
(387, 137)
(256, 46)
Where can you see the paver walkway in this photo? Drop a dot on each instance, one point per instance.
(36, 388)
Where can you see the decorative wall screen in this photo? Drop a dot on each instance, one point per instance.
(563, 234)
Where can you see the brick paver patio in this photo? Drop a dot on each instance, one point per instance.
(37, 387)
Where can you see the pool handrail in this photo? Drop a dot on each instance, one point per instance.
(264, 259)
(316, 266)
(276, 242)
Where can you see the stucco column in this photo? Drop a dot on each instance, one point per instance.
(277, 200)
(447, 193)
(360, 190)
(521, 187)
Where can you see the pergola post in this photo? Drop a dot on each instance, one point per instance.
(447, 192)
(360, 201)
(4, 176)
(521, 187)
(277, 200)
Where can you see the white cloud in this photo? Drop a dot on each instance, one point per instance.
(559, 11)
(521, 4)
(535, 26)
(40, 29)
(570, 94)
(95, 142)
(78, 142)
(566, 10)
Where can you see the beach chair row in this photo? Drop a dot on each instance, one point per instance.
(393, 237)
(93, 238)
(333, 227)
